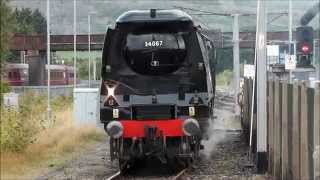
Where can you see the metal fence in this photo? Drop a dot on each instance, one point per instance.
(65, 90)
(293, 128)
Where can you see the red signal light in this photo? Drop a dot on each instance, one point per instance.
(305, 49)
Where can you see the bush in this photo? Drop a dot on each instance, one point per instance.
(29, 143)
(4, 88)
(19, 127)
(16, 131)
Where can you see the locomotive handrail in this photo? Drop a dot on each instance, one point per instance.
(206, 37)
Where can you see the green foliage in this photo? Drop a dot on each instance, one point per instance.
(19, 127)
(29, 22)
(224, 78)
(39, 22)
(61, 102)
(4, 88)
(82, 63)
(7, 26)
(247, 56)
(225, 58)
(83, 68)
(224, 64)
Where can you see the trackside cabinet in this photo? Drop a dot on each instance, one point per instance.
(86, 105)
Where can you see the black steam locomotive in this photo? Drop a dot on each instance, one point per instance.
(158, 86)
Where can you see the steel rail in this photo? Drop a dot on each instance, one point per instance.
(114, 176)
(180, 174)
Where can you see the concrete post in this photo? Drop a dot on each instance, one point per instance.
(236, 61)
(261, 87)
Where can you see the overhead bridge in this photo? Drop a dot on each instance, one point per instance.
(65, 42)
(58, 42)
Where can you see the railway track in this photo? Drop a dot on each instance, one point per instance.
(118, 175)
(180, 175)
(115, 176)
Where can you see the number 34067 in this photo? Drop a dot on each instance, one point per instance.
(152, 43)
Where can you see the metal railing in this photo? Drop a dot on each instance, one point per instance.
(63, 90)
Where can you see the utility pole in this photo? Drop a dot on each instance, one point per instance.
(48, 63)
(236, 61)
(89, 47)
(261, 86)
(75, 43)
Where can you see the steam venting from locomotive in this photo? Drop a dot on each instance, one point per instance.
(215, 136)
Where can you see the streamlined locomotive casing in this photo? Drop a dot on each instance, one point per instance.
(157, 87)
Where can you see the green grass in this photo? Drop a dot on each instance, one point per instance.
(30, 145)
(224, 78)
(68, 55)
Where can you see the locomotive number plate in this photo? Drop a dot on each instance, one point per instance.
(192, 111)
(153, 43)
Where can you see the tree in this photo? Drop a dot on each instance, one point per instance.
(83, 68)
(7, 26)
(39, 22)
(24, 21)
(29, 22)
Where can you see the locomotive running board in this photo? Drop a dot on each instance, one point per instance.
(184, 155)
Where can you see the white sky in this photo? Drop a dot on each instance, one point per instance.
(106, 11)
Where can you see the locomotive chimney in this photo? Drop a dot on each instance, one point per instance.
(152, 13)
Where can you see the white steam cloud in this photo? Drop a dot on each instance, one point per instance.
(216, 136)
(217, 131)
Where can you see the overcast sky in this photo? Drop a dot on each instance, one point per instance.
(105, 12)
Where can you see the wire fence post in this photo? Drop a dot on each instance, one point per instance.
(48, 64)
(89, 47)
(75, 43)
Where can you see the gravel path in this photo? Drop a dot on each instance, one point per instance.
(92, 164)
(226, 152)
(224, 157)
